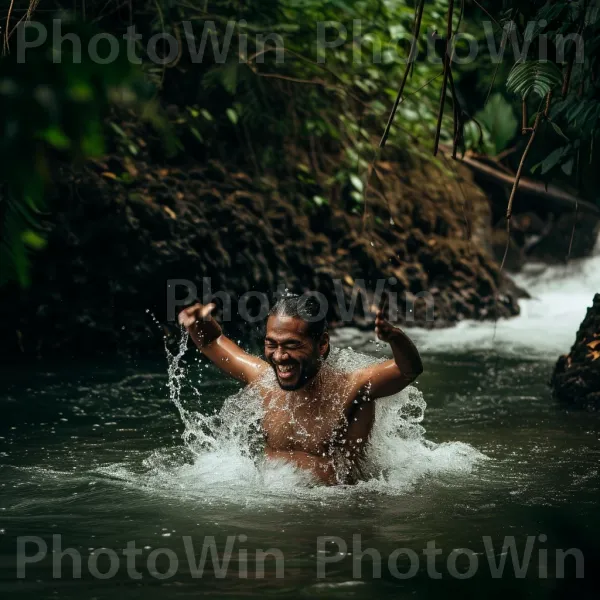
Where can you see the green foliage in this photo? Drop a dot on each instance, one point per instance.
(337, 96)
(563, 57)
(48, 110)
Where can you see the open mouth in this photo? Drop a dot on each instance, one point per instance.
(286, 371)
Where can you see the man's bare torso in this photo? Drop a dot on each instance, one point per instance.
(323, 427)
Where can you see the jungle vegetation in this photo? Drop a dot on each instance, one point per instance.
(277, 103)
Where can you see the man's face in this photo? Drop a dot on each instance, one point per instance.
(292, 352)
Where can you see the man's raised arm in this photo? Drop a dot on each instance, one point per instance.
(224, 353)
(392, 376)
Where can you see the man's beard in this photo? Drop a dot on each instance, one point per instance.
(290, 387)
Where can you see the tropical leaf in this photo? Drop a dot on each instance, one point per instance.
(232, 115)
(498, 118)
(533, 77)
(555, 158)
(559, 131)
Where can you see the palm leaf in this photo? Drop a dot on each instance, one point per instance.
(533, 77)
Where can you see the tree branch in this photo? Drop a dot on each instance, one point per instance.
(550, 192)
(447, 67)
(416, 31)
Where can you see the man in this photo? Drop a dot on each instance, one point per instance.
(315, 416)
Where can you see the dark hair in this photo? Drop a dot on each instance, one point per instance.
(307, 308)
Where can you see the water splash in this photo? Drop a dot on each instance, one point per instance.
(222, 457)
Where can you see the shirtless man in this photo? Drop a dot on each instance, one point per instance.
(314, 416)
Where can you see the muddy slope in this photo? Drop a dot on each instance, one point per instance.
(121, 228)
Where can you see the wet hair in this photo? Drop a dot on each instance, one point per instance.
(307, 308)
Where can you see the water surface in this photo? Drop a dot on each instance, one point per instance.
(100, 455)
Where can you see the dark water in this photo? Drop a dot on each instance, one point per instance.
(77, 442)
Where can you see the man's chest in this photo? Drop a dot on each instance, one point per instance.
(309, 425)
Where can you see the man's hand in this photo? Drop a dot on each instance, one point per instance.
(391, 376)
(199, 323)
(383, 328)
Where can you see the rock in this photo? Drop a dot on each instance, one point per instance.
(576, 378)
(552, 245)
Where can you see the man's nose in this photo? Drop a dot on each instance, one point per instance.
(280, 355)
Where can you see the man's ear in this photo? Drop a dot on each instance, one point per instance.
(324, 346)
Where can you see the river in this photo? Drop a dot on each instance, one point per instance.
(98, 456)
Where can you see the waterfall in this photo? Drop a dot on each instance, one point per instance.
(548, 323)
